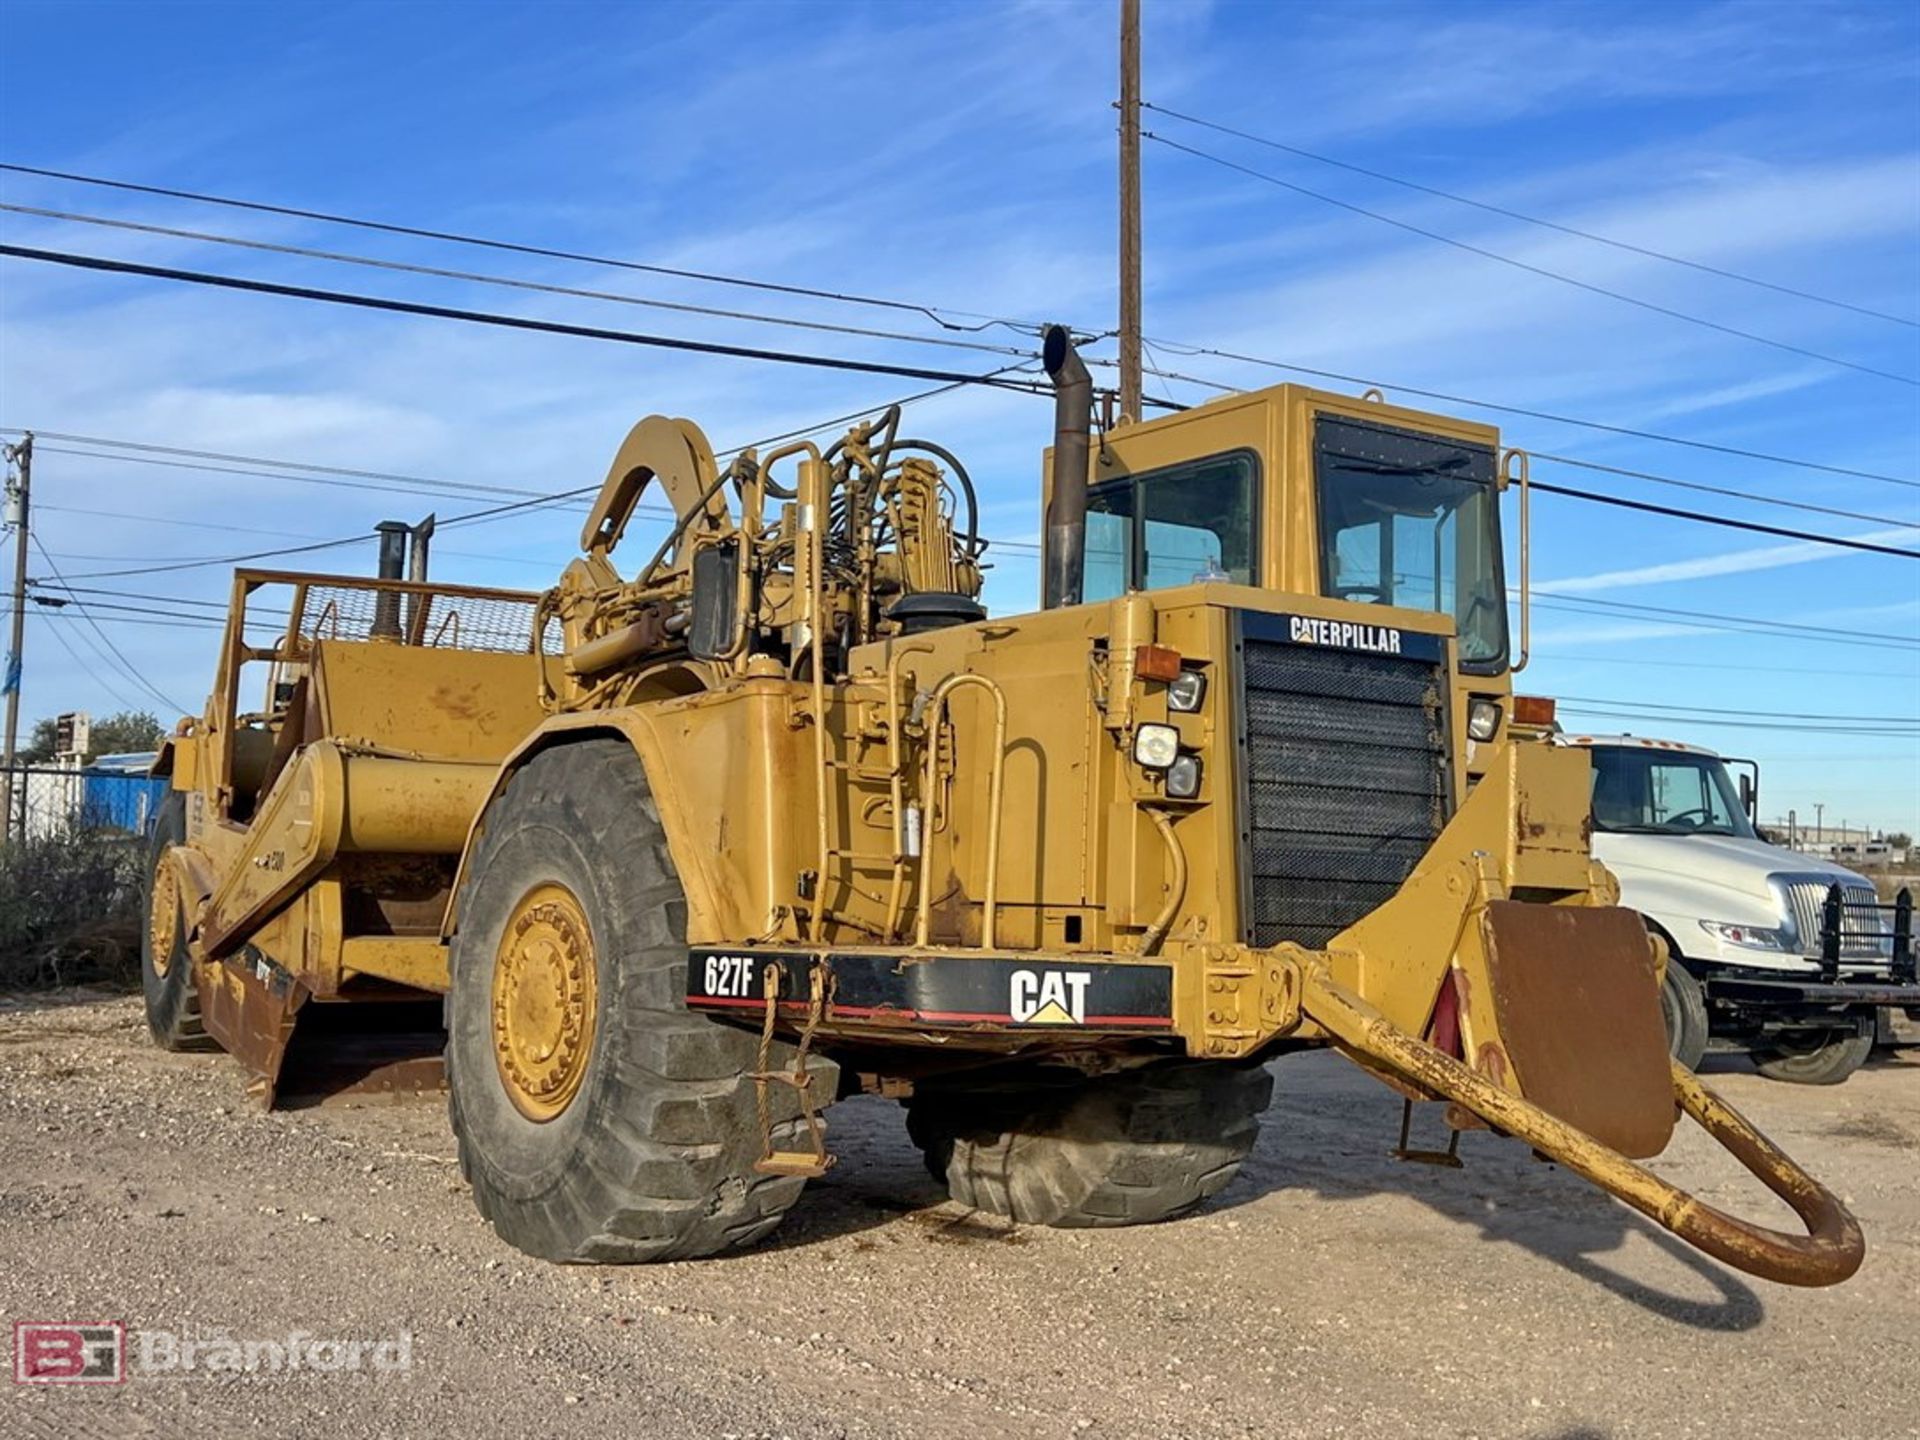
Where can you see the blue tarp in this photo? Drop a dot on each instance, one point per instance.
(118, 794)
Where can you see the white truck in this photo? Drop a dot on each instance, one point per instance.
(1782, 954)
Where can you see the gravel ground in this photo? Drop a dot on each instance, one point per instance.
(1328, 1291)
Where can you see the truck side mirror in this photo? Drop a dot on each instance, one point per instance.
(716, 589)
(1746, 795)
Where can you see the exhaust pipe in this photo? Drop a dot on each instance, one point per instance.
(1066, 541)
(393, 561)
(422, 537)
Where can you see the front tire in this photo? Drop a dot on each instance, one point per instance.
(1683, 1005)
(598, 1119)
(1822, 1057)
(166, 968)
(1124, 1149)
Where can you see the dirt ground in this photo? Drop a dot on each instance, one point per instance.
(1329, 1291)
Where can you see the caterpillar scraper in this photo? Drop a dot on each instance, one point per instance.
(685, 853)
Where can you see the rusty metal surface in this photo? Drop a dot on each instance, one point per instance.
(249, 1005)
(1829, 1252)
(1578, 1008)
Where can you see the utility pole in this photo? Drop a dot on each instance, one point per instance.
(19, 490)
(1819, 823)
(1130, 209)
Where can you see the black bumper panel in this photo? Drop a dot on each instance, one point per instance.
(1812, 992)
(940, 992)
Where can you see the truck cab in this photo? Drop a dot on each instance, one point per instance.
(1751, 964)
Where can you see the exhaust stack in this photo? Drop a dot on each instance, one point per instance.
(393, 561)
(1066, 540)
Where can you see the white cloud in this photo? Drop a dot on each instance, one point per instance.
(1732, 562)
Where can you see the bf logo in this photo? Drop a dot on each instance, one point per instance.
(69, 1354)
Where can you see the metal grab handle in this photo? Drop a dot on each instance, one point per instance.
(1828, 1253)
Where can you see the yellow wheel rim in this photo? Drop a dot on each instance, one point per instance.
(163, 917)
(543, 1002)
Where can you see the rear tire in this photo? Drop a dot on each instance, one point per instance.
(1124, 1149)
(645, 1128)
(1817, 1057)
(1683, 1004)
(166, 969)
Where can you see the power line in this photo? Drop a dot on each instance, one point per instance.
(92, 674)
(508, 322)
(203, 562)
(53, 604)
(1532, 219)
(157, 623)
(1551, 417)
(1733, 624)
(1725, 521)
(1747, 495)
(244, 529)
(936, 314)
(1793, 727)
(1725, 710)
(1565, 600)
(133, 671)
(508, 282)
(220, 605)
(532, 501)
(1530, 268)
(1637, 660)
(1728, 491)
(330, 472)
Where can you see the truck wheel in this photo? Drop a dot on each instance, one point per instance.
(1683, 1004)
(598, 1119)
(1123, 1149)
(1816, 1057)
(166, 970)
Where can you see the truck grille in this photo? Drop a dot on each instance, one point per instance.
(1344, 757)
(1864, 931)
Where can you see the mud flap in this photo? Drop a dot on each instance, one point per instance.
(1576, 999)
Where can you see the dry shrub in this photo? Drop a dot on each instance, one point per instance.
(70, 909)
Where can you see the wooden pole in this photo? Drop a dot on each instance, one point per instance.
(1130, 209)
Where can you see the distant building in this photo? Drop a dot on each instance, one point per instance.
(1843, 844)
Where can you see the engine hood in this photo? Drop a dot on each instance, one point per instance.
(1725, 861)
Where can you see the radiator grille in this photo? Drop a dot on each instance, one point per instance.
(1345, 789)
(1864, 931)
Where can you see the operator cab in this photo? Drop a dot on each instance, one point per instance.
(1308, 492)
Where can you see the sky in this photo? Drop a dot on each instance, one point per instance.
(962, 157)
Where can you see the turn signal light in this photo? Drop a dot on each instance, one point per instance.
(1156, 662)
(1533, 710)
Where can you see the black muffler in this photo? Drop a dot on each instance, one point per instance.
(1066, 540)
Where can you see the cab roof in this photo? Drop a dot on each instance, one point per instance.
(1634, 741)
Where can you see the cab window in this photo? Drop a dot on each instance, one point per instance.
(1189, 522)
(1413, 520)
(1652, 792)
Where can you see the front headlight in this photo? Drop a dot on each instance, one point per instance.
(1747, 937)
(1483, 719)
(1155, 747)
(1183, 777)
(1186, 692)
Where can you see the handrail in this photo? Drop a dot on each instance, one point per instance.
(897, 785)
(1828, 1253)
(936, 709)
(1522, 475)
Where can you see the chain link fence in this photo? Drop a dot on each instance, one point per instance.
(71, 873)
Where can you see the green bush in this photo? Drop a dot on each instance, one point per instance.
(70, 910)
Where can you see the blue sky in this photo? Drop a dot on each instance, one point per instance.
(962, 156)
